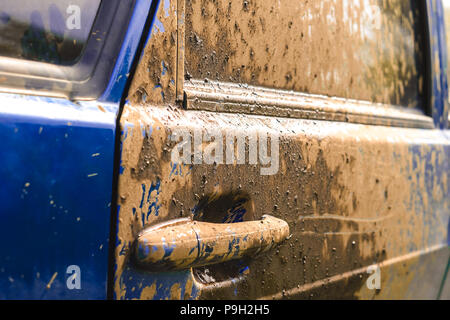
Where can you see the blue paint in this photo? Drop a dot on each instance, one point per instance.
(4, 17)
(164, 68)
(143, 251)
(174, 167)
(158, 26)
(55, 196)
(162, 281)
(236, 213)
(199, 240)
(448, 233)
(127, 55)
(168, 249)
(166, 8)
(154, 187)
(127, 130)
(123, 251)
(438, 48)
(233, 244)
(132, 278)
(433, 213)
(243, 269)
(143, 130)
(152, 24)
(204, 251)
(154, 205)
(143, 195)
(53, 215)
(441, 117)
(143, 218)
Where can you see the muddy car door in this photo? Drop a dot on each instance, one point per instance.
(294, 149)
(63, 67)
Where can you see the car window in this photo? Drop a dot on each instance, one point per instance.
(45, 30)
(361, 49)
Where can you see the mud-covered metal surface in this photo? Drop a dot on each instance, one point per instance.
(238, 98)
(366, 50)
(156, 74)
(353, 195)
(184, 243)
(181, 53)
(50, 55)
(56, 175)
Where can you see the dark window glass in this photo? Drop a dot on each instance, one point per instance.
(360, 49)
(46, 31)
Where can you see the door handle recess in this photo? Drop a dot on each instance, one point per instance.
(183, 243)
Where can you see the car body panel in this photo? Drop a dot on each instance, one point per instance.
(357, 188)
(438, 60)
(57, 185)
(356, 195)
(57, 170)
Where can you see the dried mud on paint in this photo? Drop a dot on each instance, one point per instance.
(344, 207)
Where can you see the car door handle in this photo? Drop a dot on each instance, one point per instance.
(183, 243)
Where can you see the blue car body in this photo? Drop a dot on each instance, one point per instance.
(57, 182)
